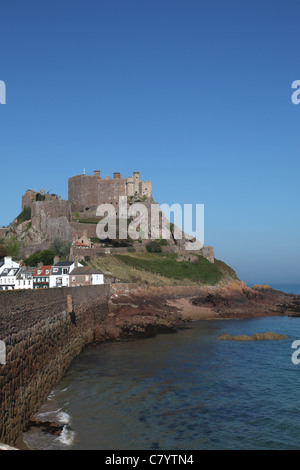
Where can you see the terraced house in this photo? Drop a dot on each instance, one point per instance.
(8, 278)
(60, 273)
(41, 277)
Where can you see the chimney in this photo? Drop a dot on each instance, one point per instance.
(56, 260)
(40, 265)
(8, 260)
(117, 176)
(97, 173)
(76, 261)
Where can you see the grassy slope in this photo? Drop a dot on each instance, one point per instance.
(161, 269)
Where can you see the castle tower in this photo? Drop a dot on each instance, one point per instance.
(87, 192)
(136, 181)
(130, 186)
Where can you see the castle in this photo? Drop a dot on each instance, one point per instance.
(87, 192)
(49, 216)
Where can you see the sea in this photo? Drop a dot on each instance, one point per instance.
(182, 391)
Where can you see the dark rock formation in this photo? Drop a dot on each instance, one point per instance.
(256, 337)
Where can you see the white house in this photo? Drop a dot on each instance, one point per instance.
(8, 263)
(8, 278)
(85, 276)
(60, 273)
(24, 278)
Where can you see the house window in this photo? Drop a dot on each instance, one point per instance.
(73, 279)
(87, 278)
(65, 271)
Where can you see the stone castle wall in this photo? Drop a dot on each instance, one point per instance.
(42, 338)
(207, 252)
(54, 207)
(90, 229)
(86, 192)
(187, 255)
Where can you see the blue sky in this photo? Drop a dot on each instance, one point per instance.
(196, 95)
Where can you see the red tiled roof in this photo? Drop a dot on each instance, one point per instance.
(42, 271)
(81, 244)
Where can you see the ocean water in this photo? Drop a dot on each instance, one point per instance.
(288, 288)
(182, 391)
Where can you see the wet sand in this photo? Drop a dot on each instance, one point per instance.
(190, 312)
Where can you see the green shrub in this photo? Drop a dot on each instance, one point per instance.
(24, 215)
(61, 247)
(40, 197)
(3, 251)
(46, 257)
(154, 246)
(12, 247)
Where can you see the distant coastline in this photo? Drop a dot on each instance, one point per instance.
(286, 287)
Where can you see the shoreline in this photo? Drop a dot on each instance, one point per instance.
(135, 312)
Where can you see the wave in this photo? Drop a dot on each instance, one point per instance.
(63, 417)
(67, 436)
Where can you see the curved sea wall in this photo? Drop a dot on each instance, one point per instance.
(43, 331)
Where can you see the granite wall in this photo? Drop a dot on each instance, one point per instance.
(43, 332)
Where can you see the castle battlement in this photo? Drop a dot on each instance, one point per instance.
(87, 192)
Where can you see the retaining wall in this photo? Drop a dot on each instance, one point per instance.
(43, 332)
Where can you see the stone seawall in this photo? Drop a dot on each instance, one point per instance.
(43, 332)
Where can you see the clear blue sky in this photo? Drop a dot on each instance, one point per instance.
(196, 95)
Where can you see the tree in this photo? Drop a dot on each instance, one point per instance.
(12, 247)
(45, 257)
(61, 247)
(3, 251)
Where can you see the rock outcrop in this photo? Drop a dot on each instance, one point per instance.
(256, 337)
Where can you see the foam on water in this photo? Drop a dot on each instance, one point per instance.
(67, 436)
